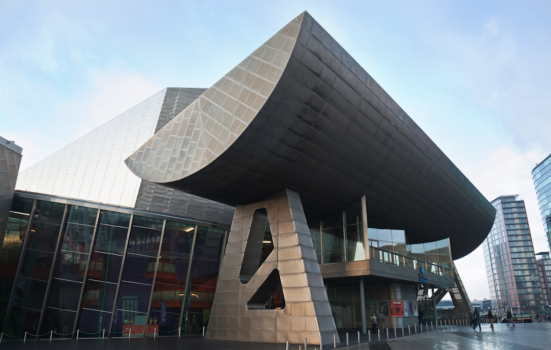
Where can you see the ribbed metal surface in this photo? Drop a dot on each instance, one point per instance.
(331, 133)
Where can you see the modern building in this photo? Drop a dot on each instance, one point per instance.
(543, 261)
(10, 159)
(510, 262)
(291, 199)
(541, 175)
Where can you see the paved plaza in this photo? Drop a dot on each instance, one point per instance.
(522, 337)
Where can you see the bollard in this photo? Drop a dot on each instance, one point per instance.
(416, 328)
(387, 334)
(358, 337)
(426, 326)
(1, 336)
(305, 344)
(402, 331)
(287, 345)
(409, 330)
(203, 331)
(103, 335)
(321, 342)
(51, 334)
(300, 347)
(129, 334)
(334, 341)
(347, 339)
(25, 339)
(369, 339)
(431, 326)
(78, 332)
(394, 332)
(179, 331)
(155, 332)
(421, 327)
(379, 334)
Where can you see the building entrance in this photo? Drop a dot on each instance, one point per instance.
(343, 316)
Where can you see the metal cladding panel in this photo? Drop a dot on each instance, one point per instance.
(328, 131)
(306, 312)
(10, 159)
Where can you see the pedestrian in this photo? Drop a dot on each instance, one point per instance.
(491, 318)
(421, 314)
(373, 322)
(381, 321)
(510, 318)
(476, 319)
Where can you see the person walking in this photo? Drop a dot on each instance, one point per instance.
(491, 318)
(421, 314)
(476, 319)
(510, 318)
(373, 322)
(381, 321)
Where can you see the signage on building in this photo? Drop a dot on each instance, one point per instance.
(422, 276)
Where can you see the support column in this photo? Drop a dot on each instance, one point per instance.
(434, 306)
(362, 303)
(365, 229)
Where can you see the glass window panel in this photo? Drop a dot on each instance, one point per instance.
(16, 230)
(65, 294)
(139, 269)
(373, 233)
(111, 239)
(144, 241)
(156, 224)
(354, 243)
(105, 267)
(71, 266)
(333, 221)
(172, 271)
(6, 285)
(30, 293)
(94, 322)
(49, 212)
(400, 248)
(114, 218)
(167, 322)
(208, 243)
(125, 321)
(333, 250)
(442, 247)
(430, 248)
(385, 235)
(99, 295)
(177, 240)
(417, 248)
(316, 238)
(398, 236)
(23, 320)
(82, 215)
(59, 321)
(171, 296)
(133, 297)
(22, 205)
(37, 265)
(43, 237)
(78, 238)
(354, 214)
(384, 245)
(204, 272)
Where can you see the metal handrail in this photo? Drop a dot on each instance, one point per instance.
(401, 260)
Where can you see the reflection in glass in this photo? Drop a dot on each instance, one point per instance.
(99, 295)
(138, 269)
(22, 320)
(71, 266)
(171, 296)
(37, 265)
(333, 245)
(167, 323)
(43, 237)
(92, 321)
(111, 239)
(82, 215)
(316, 238)
(78, 238)
(105, 267)
(133, 297)
(49, 212)
(30, 293)
(59, 321)
(144, 241)
(177, 240)
(65, 294)
(114, 218)
(354, 243)
(126, 321)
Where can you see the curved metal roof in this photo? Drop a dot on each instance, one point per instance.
(300, 113)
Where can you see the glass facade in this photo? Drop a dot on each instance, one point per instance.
(101, 269)
(510, 261)
(543, 262)
(542, 181)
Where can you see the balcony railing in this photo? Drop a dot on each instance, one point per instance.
(406, 261)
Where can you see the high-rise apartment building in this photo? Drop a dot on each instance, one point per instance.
(543, 262)
(541, 175)
(509, 255)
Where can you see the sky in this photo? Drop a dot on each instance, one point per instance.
(474, 75)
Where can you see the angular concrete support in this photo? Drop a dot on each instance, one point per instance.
(307, 313)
